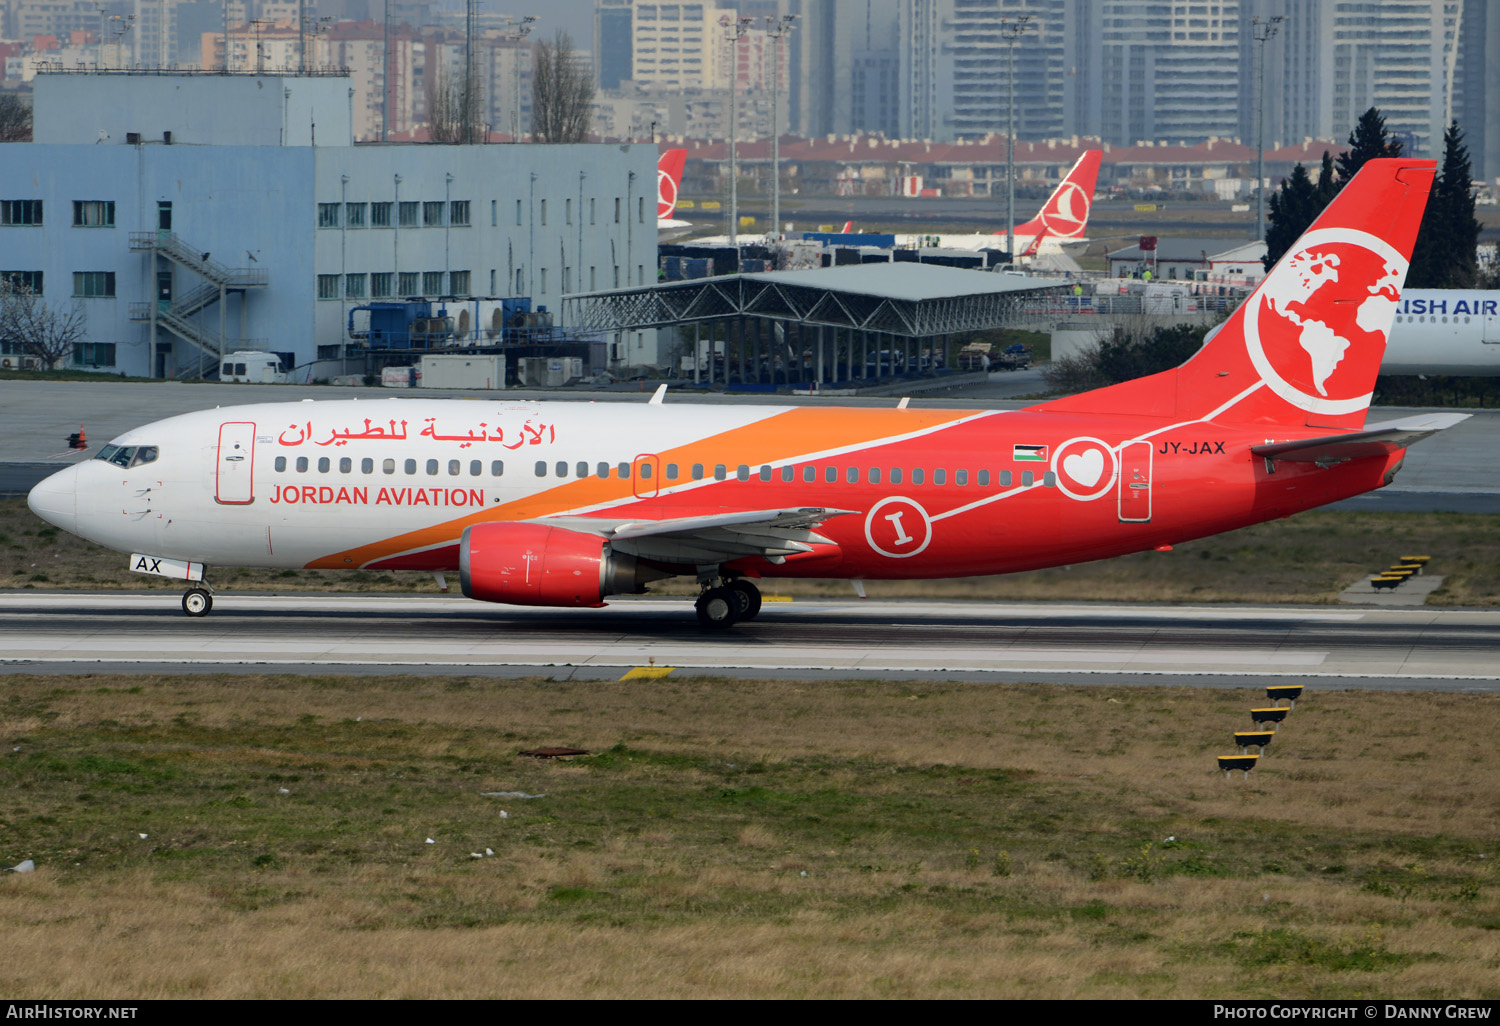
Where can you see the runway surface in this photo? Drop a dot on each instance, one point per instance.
(1421, 649)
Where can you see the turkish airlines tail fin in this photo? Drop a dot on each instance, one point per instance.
(668, 182)
(1065, 215)
(1305, 347)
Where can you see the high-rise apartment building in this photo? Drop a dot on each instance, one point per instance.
(1155, 69)
(1422, 62)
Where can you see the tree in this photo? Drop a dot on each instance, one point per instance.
(15, 117)
(1366, 142)
(453, 112)
(1446, 253)
(1291, 215)
(1291, 209)
(31, 326)
(562, 92)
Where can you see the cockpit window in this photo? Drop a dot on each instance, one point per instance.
(128, 455)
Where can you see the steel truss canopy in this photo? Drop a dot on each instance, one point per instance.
(917, 300)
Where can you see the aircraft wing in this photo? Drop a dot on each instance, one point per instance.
(711, 538)
(1375, 440)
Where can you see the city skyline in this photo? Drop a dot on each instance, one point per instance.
(1123, 71)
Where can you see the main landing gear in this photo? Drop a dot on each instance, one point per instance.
(724, 603)
(197, 601)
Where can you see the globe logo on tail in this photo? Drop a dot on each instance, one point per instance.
(666, 195)
(1067, 211)
(1317, 326)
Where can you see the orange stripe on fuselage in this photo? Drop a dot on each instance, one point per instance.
(780, 437)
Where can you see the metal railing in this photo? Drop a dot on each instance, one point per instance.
(168, 244)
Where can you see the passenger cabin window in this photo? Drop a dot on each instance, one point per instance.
(346, 465)
(301, 464)
(411, 466)
(497, 468)
(324, 464)
(280, 464)
(367, 466)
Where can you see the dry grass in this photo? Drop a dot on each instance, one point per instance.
(1306, 559)
(735, 838)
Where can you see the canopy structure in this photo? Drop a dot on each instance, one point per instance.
(833, 325)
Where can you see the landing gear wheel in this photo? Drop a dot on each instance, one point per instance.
(718, 608)
(197, 602)
(749, 596)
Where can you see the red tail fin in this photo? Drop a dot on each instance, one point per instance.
(668, 181)
(1305, 347)
(1066, 213)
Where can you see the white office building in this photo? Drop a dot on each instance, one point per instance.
(193, 214)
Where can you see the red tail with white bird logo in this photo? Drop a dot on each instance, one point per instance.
(1065, 215)
(1304, 349)
(668, 182)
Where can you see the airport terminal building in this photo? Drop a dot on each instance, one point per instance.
(192, 214)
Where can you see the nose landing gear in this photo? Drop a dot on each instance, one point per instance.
(197, 602)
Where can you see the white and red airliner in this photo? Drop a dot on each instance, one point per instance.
(1063, 218)
(565, 503)
(668, 184)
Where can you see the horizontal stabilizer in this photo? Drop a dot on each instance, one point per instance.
(1376, 440)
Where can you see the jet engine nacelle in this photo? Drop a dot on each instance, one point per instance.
(536, 565)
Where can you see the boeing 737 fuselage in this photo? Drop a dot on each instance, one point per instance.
(563, 504)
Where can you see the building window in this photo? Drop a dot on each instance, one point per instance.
(568, 212)
(408, 213)
(94, 284)
(494, 213)
(94, 354)
(544, 211)
(518, 211)
(354, 286)
(519, 283)
(354, 214)
(20, 211)
(640, 210)
(409, 284)
(380, 215)
(617, 210)
(328, 286)
(458, 283)
(381, 285)
(432, 214)
(458, 213)
(432, 283)
(328, 215)
(93, 213)
(544, 281)
(591, 210)
(29, 281)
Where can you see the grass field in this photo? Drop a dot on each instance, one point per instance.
(203, 836)
(1307, 559)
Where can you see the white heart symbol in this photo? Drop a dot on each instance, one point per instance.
(1085, 467)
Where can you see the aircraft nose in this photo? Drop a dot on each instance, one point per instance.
(55, 499)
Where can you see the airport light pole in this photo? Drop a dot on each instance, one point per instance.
(1261, 32)
(777, 29)
(1011, 30)
(737, 29)
(522, 30)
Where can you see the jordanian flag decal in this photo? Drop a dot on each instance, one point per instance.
(1030, 454)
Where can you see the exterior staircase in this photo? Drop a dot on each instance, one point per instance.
(180, 314)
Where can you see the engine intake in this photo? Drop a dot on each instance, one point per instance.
(536, 565)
